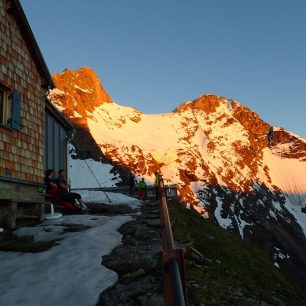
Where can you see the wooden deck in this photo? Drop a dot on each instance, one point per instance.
(13, 209)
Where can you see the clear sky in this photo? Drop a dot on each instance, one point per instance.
(156, 54)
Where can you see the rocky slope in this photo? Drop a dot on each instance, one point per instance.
(217, 152)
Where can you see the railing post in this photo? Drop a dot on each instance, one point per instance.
(173, 259)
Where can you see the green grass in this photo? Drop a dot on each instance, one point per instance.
(244, 276)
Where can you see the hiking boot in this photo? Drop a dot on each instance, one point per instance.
(85, 210)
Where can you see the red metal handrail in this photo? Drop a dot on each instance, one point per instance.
(173, 259)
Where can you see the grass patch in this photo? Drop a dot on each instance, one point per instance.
(233, 272)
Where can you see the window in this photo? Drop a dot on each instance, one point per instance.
(5, 108)
(10, 107)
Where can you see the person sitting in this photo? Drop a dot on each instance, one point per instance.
(51, 189)
(142, 189)
(64, 193)
(50, 182)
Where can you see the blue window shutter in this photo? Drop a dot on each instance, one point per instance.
(16, 108)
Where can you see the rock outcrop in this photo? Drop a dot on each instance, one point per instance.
(82, 89)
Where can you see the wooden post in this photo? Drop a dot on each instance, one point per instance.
(41, 211)
(12, 213)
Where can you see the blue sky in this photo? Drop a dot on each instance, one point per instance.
(156, 54)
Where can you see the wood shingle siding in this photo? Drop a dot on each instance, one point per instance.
(24, 82)
(21, 151)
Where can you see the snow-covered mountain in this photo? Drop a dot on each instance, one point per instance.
(225, 162)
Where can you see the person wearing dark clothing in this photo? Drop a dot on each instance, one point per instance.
(64, 193)
(51, 186)
(131, 184)
(51, 189)
(142, 189)
(270, 136)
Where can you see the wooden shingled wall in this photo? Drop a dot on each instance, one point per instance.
(21, 151)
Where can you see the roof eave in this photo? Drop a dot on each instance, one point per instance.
(16, 10)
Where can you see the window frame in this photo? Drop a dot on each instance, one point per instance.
(10, 116)
(5, 107)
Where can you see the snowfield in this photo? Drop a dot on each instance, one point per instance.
(70, 273)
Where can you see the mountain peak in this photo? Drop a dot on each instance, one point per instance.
(206, 103)
(78, 92)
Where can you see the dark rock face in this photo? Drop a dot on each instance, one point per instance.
(85, 145)
(262, 218)
(295, 147)
(137, 262)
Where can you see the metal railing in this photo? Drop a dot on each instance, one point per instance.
(173, 259)
(171, 190)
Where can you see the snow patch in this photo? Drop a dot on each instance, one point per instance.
(82, 177)
(76, 115)
(116, 198)
(224, 222)
(82, 89)
(68, 274)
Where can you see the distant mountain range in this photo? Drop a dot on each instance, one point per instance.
(228, 164)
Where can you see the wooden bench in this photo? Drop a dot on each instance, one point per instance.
(59, 203)
(12, 205)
